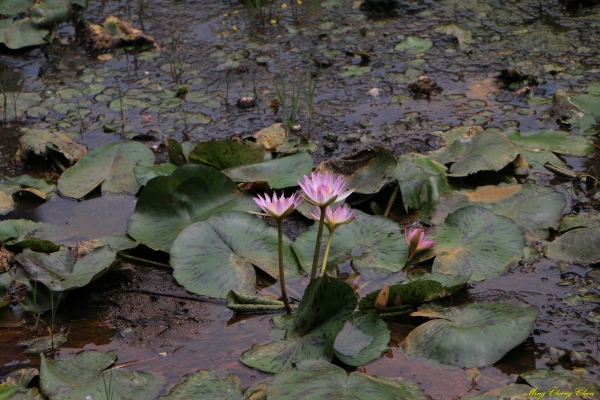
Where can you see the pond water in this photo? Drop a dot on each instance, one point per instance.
(362, 99)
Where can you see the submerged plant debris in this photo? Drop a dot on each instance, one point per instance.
(132, 258)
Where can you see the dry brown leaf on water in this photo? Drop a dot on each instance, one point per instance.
(113, 33)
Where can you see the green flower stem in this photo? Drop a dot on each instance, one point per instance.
(313, 273)
(281, 272)
(329, 239)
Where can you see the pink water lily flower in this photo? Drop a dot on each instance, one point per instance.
(278, 207)
(415, 238)
(341, 216)
(322, 190)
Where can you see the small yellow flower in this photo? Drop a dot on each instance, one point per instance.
(273, 21)
(225, 15)
(299, 2)
(284, 6)
(235, 11)
(234, 28)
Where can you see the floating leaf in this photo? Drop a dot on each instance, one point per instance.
(354, 70)
(22, 33)
(23, 183)
(271, 137)
(116, 242)
(556, 141)
(215, 256)
(59, 271)
(373, 244)
(207, 385)
(590, 219)
(567, 381)
(363, 339)
(485, 151)
(471, 335)
(143, 173)
(83, 374)
(243, 303)
(40, 141)
(170, 203)
(462, 36)
(15, 385)
(113, 33)
(38, 298)
(579, 246)
(367, 171)
(32, 235)
(110, 165)
(279, 173)
(326, 305)
(474, 241)
(44, 343)
(319, 379)
(224, 153)
(415, 291)
(413, 45)
(15, 7)
(534, 208)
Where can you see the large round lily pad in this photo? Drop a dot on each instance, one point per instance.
(76, 377)
(279, 173)
(373, 244)
(474, 241)
(472, 335)
(170, 203)
(534, 208)
(111, 166)
(326, 305)
(363, 339)
(207, 385)
(476, 151)
(318, 379)
(40, 141)
(579, 246)
(225, 153)
(215, 256)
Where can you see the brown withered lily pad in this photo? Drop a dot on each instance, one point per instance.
(113, 33)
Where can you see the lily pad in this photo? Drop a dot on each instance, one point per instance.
(471, 335)
(508, 392)
(170, 203)
(143, 173)
(22, 33)
(589, 219)
(462, 36)
(563, 108)
(85, 373)
(578, 246)
(279, 173)
(477, 151)
(224, 154)
(23, 183)
(355, 70)
(243, 303)
(207, 385)
(271, 137)
(44, 343)
(36, 236)
(113, 32)
(555, 141)
(363, 339)
(15, 7)
(111, 166)
(372, 244)
(59, 271)
(23, 101)
(15, 385)
(545, 379)
(415, 291)
(326, 305)
(40, 141)
(37, 298)
(319, 379)
(534, 208)
(475, 241)
(413, 45)
(215, 256)
(367, 171)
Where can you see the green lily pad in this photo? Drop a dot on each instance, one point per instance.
(23, 101)
(207, 385)
(589, 219)
(363, 339)
(471, 335)
(116, 242)
(462, 36)
(367, 171)
(319, 379)
(475, 241)
(413, 172)
(355, 70)
(555, 141)
(413, 45)
(143, 173)
(508, 392)
(588, 103)
(215, 256)
(23, 183)
(579, 246)
(326, 305)
(564, 108)
(478, 151)
(178, 152)
(44, 343)
(59, 271)
(111, 166)
(170, 203)
(15, 385)
(373, 244)
(38, 298)
(22, 33)
(545, 379)
(125, 103)
(76, 377)
(534, 208)
(51, 13)
(224, 154)
(243, 303)
(36, 236)
(415, 291)
(14, 7)
(279, 173)
(40, 141)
